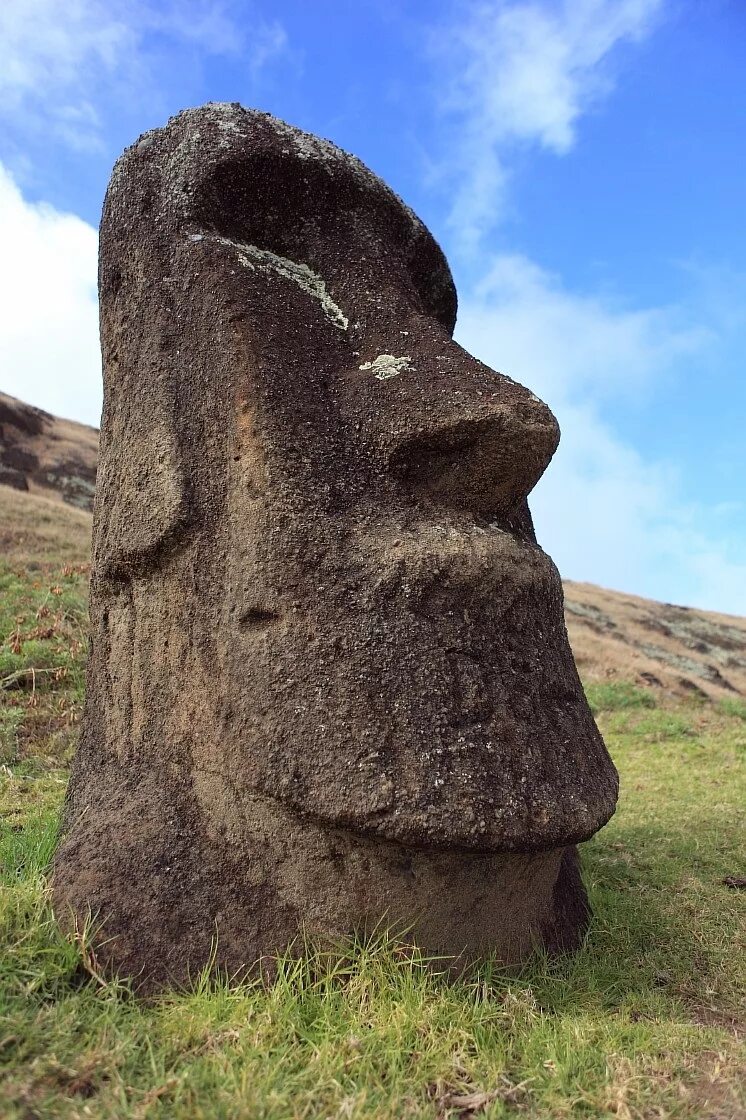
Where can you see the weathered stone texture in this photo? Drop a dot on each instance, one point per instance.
(330, 679)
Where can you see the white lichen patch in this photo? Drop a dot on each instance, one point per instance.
(386, 366)
(251, 256)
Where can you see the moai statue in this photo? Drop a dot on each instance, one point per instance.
(330, 685)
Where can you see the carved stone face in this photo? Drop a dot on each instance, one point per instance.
(315, 573)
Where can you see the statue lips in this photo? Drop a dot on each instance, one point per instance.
(434, 566)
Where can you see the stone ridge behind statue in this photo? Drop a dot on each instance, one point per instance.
(330, 684)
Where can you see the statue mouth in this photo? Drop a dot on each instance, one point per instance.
(458, 562)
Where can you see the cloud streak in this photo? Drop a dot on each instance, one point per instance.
(573, 345)
(606, 513)
(55, 54)
(521, 75)
(524, 73)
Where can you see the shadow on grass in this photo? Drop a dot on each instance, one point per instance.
(662, 936)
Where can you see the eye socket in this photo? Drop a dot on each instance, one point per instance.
(268, 202)
(305, 209)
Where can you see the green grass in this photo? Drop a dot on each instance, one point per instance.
(733, 707)
(613, 696)
(646, 1021)
(43, 642)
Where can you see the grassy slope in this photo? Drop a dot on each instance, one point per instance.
(645, 1022)
(36, 530)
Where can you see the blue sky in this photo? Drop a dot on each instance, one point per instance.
(581, 162)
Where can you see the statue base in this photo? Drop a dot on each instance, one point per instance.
(175, 874)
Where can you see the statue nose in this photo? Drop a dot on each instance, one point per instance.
(486, 462)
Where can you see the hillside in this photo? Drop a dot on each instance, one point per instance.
(660, 645)
(41, 454)
(49, 468)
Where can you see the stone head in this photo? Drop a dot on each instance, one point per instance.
(315, 572)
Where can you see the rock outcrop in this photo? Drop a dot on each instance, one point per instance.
(330, 683)
(43, 454)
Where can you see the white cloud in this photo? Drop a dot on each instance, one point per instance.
(604, 511)
(49, 351)
(524, 72)
(610, 516)
(51, 55)
(521, 73)
(42, 39)
(574, 345)
(60, 60)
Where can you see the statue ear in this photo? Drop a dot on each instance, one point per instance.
(142, 498)
(142, 507)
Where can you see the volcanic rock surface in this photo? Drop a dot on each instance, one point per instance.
(330, 683)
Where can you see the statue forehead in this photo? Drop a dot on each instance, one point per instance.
(251, 177)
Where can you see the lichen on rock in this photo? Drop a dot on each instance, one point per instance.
(386, 366)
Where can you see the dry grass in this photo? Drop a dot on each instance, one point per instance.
(37, 532)
(678, 650)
